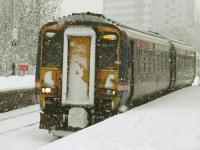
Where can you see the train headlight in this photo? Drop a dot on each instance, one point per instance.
(110, 92)
(113, 92)
(46, 90)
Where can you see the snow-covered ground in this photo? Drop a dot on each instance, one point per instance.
(171, 122)
(19, 112)
(26, 138)
(10, 122)
(19, 130)
(16, 82)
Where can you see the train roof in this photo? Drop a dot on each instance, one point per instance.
(99, 18)
(86, 17)
(146, 35)
(182, 46)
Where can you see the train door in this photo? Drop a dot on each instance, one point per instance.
(172, 66)
(132, 63)
(78, 66)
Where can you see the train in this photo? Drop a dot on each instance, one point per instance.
(90, 67)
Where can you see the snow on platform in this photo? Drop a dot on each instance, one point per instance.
(27, 138)
(16, 83)
(19, 130)
(168, 123)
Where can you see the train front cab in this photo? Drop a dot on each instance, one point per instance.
(82, 88)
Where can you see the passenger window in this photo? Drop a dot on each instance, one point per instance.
(162, 58)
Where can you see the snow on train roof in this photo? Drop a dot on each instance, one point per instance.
(147, 37)
(101, 19)
(182, 46)
(132, 32)
(91, 17)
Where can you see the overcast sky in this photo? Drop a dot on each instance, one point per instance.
(77, 6)
(74, 6)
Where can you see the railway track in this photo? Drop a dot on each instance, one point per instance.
(5, 132)
(19, 112)
(23, 120)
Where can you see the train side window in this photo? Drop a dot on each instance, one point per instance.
(168, 61)
(150, 62)
(183, 60)
(165, 61)
(180, 63)
(138, 60)
(177, 62)
(162, 64)
(141, 60)
(190, 63)
(157, 62)
(146, 61)
(186, 62)
(154, 61)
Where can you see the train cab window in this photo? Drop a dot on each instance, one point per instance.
(107, 51)
(52, 51)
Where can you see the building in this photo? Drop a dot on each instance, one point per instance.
(151, 14)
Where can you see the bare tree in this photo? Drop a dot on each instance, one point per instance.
(25, 17)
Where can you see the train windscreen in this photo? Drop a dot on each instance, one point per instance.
(107, 51)
(52, 52)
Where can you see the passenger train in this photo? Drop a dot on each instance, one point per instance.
(90, 67)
